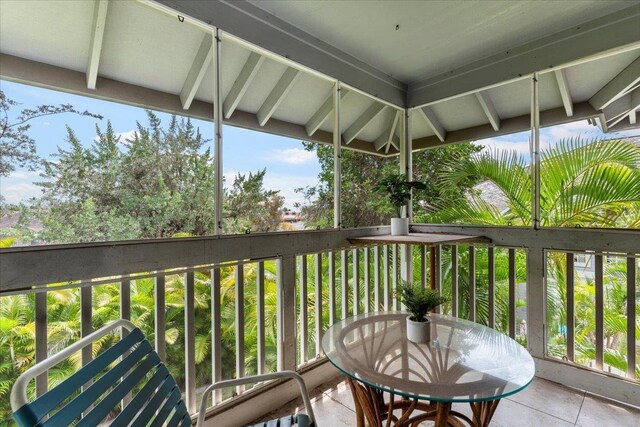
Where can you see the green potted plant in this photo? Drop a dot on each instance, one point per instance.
(419, 302)
(399, 191)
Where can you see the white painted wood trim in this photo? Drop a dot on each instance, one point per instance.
(277, 95)
(429, 116)
(95, 46)
(489, 109)
(618, 86)
(361, 122)
(198, 69)
(565, 93)
(242, 82)
(387, 135)
(324, 112)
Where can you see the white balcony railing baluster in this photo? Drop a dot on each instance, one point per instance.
(571, 306)
(512, 292)
(190, 340)
(631, 316)
(260, 317)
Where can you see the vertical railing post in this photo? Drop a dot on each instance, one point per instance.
(344, 268)
(318, 302)
(386, 284)
(216, 332)
(304, 315)
(366, 280)
(472, 283)
(436, 272)
(376, 278)
(599, 284)
(286, 315)
(512, 293)
(190, 341)
(332, 288)
(260, 316)
(454, 280)
(631, 317)
(41, 339)
(85, 320)
(536, 302)
(394, 276)
(571, 307)
(159, 316)
(355, 257)
(491, 272)
(125, 313)
(239, 294)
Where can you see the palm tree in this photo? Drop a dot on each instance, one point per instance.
(583, 184)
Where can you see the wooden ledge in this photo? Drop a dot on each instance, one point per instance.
(420, 239)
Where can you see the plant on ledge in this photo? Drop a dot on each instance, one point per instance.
(399, 191)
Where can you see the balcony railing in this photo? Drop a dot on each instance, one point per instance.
(258, 303)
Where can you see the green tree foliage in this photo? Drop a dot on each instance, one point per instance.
(17, 148)
(247, 194)
(362, 174)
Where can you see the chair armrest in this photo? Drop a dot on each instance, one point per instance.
(254, 379)
(19, 390)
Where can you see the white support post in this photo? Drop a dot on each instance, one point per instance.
(337, 147)
(406, 168)
(535, 153)
(217, 118)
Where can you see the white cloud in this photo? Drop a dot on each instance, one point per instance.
(126, 135)
(123, 135)
(292, 156)
(19, 186)
(521, 147)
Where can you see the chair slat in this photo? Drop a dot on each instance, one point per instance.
(144, 395)
(81, 402)
(303, 420)
(170, 404)
(102, 409)
(286, 421)
(50, 400)
(163, 392)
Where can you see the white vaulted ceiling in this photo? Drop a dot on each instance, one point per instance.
(441, 61)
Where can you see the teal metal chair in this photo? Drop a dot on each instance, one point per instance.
(129, 365)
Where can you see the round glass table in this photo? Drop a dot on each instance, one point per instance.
(463, 362)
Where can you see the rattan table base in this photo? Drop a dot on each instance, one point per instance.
(373, 411)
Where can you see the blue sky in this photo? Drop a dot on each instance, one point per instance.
(288, 165)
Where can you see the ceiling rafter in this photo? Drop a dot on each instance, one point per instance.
(277, 95)
(362, 121)
(489, 109)
(429, 116)
(199, 67)
(617, 87)
(323, 113)
(384, 140)
(241, 84)
(626, 105)
(565, 93)
(97, 35)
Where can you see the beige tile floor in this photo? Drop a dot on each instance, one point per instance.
(542, 404)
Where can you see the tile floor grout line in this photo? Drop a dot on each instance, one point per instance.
(584, 397)
(542, 412)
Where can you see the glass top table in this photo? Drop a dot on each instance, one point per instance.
(464, 361)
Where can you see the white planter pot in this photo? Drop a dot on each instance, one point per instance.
(399, 226)
(418, 332)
